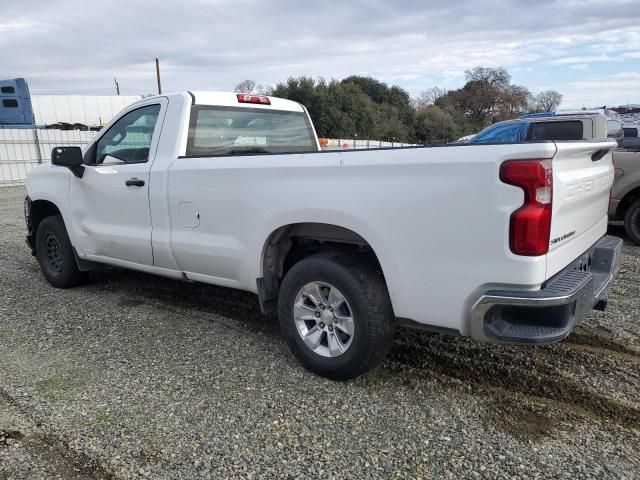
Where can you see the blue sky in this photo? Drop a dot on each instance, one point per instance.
(587, 50)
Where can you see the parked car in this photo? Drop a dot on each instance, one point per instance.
(232, 190)
(625, 195)
(565, 125)
(631, 136)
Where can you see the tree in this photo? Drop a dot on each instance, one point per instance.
(359, 107)
(487, 96)
(477, 100)
(496, 77)
(249, 86)
(435, 125)
(245, 86)
(367, 108)
(394, 103)
(546, 101)
(429, 97)
(514, 100)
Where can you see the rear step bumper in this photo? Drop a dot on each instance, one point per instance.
(550, 314)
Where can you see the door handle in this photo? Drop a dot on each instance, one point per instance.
(134, 182)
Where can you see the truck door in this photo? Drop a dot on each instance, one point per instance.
(110, 203)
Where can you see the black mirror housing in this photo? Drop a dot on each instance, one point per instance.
(70, 157)
(66, 156)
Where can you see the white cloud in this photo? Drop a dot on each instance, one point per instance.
(611, 90)
(76, 46)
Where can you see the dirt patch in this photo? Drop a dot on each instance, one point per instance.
(49, 450)
(66, 461)
(601, 344)
(488, 368)
(522, 419)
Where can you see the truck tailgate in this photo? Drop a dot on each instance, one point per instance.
(582, 179)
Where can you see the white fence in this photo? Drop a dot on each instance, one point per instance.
(21, 149)
(351, 144)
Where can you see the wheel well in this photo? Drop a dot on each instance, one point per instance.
(40, 209)
(289, 244)
(626, 202)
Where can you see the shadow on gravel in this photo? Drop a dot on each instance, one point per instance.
(497, 368)
(511, 370)
(196, 300)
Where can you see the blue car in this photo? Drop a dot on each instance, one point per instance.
(569, 125)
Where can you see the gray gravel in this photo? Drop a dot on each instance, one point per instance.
(133, 376)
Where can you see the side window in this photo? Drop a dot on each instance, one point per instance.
(10, 103)
(129, 139)
(510, 132)
(614, 130)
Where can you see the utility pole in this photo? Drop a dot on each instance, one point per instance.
(117, 86)
(158, 76)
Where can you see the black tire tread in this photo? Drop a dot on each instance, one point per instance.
(380, 329)
(70, 276)
(632, 222)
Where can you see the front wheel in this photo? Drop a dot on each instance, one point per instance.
(336, 315)
(55, 254)
(632, 222)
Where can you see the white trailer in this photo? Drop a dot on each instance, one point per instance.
(88, 110)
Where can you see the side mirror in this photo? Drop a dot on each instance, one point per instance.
(70, 157)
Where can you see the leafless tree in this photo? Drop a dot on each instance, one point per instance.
(249, 86)
(429, 97)
(496, 77)
(245, 86)
(547, 101)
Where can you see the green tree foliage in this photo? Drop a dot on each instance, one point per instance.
(366, 108)
(356, 107)
(435, 124)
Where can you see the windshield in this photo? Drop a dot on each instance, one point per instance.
(235, 130)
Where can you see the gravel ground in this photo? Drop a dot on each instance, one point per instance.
(134, 376)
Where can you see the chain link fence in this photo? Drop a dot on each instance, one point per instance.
(23, 148)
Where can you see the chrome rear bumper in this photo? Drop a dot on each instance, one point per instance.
(551, 313)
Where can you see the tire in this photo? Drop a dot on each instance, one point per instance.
(338, 355)
(632, 222)
(55, 254)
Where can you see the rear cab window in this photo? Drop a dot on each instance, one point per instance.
(221, 131)
(563, 130)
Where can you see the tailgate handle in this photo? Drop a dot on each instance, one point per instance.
(598, 154)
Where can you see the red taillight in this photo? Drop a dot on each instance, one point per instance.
(259, 99)
(530, 228)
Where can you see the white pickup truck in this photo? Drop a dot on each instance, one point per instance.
(500, 242)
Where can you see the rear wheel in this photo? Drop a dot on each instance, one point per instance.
(632, 222)
(55, 254)
(336, 315)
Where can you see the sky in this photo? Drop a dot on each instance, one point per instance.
(587, 50)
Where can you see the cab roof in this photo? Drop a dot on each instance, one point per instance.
(230, 99)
